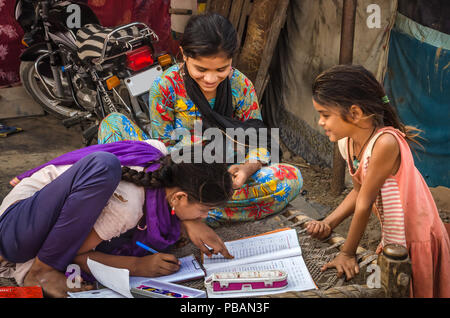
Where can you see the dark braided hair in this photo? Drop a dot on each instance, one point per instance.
(206, 183)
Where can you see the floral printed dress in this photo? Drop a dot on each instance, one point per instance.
(10, 45)
(266, 192)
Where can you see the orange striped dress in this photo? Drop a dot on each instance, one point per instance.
(390, 212)
(409, 217)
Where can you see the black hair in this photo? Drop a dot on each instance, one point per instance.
(206, 183)
(209, 34)
(342, 86)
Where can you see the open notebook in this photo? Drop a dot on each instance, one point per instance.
(278, 249)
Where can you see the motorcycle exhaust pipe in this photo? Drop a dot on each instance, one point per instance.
(75, 120)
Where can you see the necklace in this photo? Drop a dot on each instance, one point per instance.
(356, 159)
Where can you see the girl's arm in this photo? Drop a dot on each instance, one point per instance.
(322, 229)
(247, 105)
(345, 209)
(148, 266)
(384, 162)
(155, 265)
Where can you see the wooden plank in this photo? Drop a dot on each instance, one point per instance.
(257, 31)
(278, 22)
(220, 6)
(246, 7)
(235, 12)
(337, 184)
(266, 81)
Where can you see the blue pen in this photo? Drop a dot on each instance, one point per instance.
(146, 247)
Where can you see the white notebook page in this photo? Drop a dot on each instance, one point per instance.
(272, 246)
(299, 278)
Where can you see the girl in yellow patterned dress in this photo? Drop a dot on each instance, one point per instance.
(204, 86)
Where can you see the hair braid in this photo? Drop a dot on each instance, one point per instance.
(208, 183)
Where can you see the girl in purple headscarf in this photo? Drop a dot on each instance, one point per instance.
(97, 202)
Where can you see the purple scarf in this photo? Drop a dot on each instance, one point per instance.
(163, 229)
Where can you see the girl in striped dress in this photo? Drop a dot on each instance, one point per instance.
(355, 112)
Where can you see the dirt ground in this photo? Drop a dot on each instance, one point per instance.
(44, 138)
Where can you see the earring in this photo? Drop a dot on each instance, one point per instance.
(172, 212)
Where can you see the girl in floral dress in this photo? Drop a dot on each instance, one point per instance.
(206, 87)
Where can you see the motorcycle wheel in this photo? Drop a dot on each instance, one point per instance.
(35, 88)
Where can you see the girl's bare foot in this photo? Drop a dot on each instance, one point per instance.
(52, 281)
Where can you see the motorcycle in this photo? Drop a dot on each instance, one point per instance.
(79, 71)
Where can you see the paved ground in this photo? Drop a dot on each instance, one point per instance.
(42, 139)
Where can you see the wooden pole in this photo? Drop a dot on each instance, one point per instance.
(258, 30)
(278, 20)
(396, 271)
(345, 57)
(219, 6)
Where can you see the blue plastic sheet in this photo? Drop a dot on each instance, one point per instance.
(418, 84)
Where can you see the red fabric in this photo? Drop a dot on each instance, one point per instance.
(154, 13)
(10, 45)
(21, 292)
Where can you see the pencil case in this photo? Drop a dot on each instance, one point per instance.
(246, 281)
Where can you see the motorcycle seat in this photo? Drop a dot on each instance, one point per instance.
(91, 40)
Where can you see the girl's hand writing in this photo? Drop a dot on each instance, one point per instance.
(318, 229)
(155, 265)
(344, 263)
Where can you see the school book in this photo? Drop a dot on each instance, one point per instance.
(278, 249)
(119, 284)
(190, 269)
